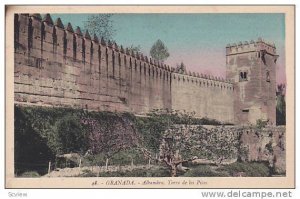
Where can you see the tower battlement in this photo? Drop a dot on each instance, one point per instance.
(251, 46)
(252, 68)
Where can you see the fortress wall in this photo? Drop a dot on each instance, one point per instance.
(57, 66)
(60, 66)
(206, 97)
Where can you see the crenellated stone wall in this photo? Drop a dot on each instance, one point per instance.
(56, 65)
(207, 96)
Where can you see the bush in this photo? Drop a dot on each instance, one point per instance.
(261, 124)
(157, 172)
(30, 174)
(41, 133)
(204, 171)
(269, 147)
(125, 157)
(32, 151)
(87, 173)
(122, 158)
(161, 172)
(251, 169)
(70, 134)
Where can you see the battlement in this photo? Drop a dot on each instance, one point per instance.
(203, 80)
(38, 26)
(252, 46)
(192, 75)
(59, 65)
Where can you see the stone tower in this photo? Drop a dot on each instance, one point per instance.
(251, 67)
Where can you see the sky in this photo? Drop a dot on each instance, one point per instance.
(197, 40)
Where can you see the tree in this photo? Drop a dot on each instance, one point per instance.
(110, 135)
(102, 25)
(70, 135)
(177, 143)
(152, 128)
(180, 68)
(135, 49)
(180, 141)
(159, 51)
(280, 105)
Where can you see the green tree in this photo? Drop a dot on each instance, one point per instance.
(280, 105)
(181, 68)
(70, 135)
(176, 143)
(159, 51)
(152, 128)
(179, 144)
(135, 49)
(102, 25)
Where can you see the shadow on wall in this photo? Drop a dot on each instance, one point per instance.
(31, 151)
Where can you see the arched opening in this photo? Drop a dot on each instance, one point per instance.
(243, 76)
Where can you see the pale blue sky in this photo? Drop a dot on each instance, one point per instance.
(198, 40)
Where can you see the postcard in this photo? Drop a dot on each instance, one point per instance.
(150, 96)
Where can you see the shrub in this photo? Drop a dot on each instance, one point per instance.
(87, 173)
(161, 172)
(204, 171)
(30, 174)
(32, 151)
(251, 169)
(70, 134)
(269, 147)
(261, 124)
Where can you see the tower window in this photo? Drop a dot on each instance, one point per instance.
(243, 76)
(268, 76)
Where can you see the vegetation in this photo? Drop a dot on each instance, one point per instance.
(70, 134)
(32, 149)
(181, 68)
(217, 147)
(165, 138)
(252, 169)
(205, 171)
(101, 24)
(110, 135)
(159, 51)
(30, 174)
(280, 105)
(135, 49)
(249, 169)
(269, 147)
(261, 124)
(157, 172)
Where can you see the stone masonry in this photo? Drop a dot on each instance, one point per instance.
(56, 65)
(251, 67)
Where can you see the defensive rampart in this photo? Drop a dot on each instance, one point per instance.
(56, 65)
